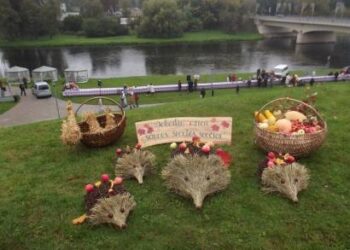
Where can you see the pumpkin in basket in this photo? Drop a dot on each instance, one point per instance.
(287, 125)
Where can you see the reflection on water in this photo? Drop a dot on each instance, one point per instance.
(116, 61)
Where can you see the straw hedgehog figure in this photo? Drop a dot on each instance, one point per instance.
(114, 210)
(70, 131)
(196, 176)
(107, 202)
(136, 164)
(289, 180)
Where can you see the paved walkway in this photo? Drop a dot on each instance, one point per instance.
(31, 110)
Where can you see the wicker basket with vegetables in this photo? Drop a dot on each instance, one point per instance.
(291, 126)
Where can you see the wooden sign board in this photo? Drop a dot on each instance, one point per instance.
(210, 129)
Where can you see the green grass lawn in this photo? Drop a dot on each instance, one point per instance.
(42, 187)
(72, 40)
(5, 106)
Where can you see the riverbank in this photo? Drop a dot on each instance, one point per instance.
(169, 79)
(172, 79)
(73, 40)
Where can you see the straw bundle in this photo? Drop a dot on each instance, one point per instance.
(70, 131)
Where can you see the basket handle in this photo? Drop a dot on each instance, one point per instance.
(294, 100)
(106, 98)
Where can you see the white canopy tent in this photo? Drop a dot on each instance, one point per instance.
(77, 75)
(16, 74)
(44, 73)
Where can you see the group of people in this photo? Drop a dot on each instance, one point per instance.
(264, 78)
(192, 85)
(70, 85)
(22, 86)
(129, 97)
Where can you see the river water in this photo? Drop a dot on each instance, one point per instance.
(119, 61)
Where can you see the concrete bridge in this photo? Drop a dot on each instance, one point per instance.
(306, 29)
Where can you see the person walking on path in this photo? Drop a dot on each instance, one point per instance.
(202, 93)
(23, 89)
(2, 89)
(190, 86)
(152, 89)
(131, 97)
(136, 99)
(25, 82)
(179, 85)
(123, 99)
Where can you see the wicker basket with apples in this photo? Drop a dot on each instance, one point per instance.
(290, 126)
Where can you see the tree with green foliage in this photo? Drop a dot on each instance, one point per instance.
(31, 19)
(91, 8)
(103, 26)
(51, 13)
(161, 18)
(72, 23)
(125, 7)
(110, 5)
(9, 21)
(236, 15)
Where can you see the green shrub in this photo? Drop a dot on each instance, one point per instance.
(16, 98)
(104, 26)
(73, 23)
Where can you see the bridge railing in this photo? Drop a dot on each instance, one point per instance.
(308, 19)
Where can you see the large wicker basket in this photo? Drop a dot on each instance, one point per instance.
(108, 137)
(296, 145)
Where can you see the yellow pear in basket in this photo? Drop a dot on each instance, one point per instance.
(261, 118)
(270, 117)
(272, 128)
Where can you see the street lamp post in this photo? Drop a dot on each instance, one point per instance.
(55, 96)
(100, 103)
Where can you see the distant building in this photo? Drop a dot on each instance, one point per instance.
(65, 13)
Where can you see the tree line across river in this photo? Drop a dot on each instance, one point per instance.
(147, 18)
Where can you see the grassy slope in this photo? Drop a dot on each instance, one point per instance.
(5, 106)
(71, 40)
(42, 187)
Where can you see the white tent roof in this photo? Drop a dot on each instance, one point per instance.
(44, 69)
(75, 69)
(16, 69)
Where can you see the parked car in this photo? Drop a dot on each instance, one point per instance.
(41, 89)
(280, 70)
